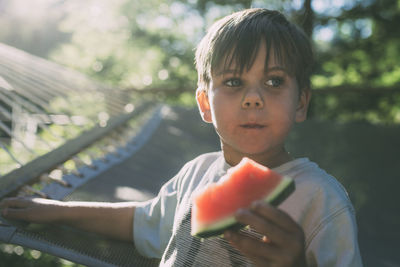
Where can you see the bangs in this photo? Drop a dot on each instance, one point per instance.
(233, 43)
(239, 47)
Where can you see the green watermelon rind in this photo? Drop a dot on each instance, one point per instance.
(277, 196)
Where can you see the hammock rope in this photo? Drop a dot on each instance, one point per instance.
(108, 157)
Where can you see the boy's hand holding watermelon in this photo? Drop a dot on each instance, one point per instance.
(283, 241)
(246, 195)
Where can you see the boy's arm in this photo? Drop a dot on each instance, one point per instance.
(111, 219)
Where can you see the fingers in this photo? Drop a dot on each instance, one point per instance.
(274, 215)
(266, 253)
(15, 202)
(250, 247)
(27, 209)
(279, 220)
(279, 228)
(16, 214)
(259, 224)
(284, 241)
(14, 208)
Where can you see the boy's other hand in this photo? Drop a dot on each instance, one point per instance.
(283, 239)
(37, 210)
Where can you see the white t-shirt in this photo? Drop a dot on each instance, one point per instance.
(319, 204)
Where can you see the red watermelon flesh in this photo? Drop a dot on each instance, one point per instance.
(214, 207)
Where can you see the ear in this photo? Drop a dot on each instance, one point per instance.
(302, 106)
(203, 104)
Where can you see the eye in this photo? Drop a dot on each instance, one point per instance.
(234, 82)
(274, 82)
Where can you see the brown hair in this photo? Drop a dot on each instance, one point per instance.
(236, 39)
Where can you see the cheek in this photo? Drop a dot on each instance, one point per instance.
(222, 112)
(283, 109)
(219, 115)
(219, 104)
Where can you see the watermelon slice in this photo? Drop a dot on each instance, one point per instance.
(214, 207)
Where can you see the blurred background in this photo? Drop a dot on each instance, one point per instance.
(147, 46)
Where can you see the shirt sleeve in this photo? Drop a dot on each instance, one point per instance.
(153, 220)
(334, 242)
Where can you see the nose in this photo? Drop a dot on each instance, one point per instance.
(252, 99)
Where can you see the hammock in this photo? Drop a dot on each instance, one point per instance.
(136, 144)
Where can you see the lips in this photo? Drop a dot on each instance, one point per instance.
(252, 126)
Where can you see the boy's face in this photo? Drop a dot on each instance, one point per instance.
(253, 112)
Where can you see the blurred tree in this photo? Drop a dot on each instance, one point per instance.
(32, 25)
(365, 46)
(357, 46)
(146, 44)
(203, 5)
(140, 43)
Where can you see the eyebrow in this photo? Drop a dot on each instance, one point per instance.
(274, 68)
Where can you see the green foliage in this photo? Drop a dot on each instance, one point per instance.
(141, 43)
(150, 44)
(31, 25)
(373, 107)
(136, 44)
(144, 44)
(364, 49)
(363, 53)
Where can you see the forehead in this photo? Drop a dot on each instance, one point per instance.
(262, 54)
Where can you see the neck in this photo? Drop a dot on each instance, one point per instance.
(270, 160)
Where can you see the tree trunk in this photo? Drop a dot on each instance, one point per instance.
(308, 22)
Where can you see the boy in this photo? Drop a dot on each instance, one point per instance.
(254, 69)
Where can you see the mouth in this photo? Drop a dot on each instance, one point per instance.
(252, 126)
